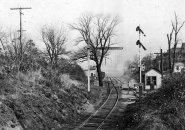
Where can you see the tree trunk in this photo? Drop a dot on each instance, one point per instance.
(173, 61)
(99, 75)
(174, 54)
(169, 59)
(169, 37)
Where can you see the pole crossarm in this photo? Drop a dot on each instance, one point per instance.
(20, 8)
(20, 30)
(111, 48)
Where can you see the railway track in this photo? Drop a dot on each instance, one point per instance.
(101, 118)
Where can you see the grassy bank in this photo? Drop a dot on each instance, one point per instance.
(163, 109)
(42, 100)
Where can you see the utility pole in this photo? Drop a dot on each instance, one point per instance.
(88, 77)
(88, 59)
(161, 63)
(20, 31)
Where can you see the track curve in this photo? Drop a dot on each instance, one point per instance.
(97, 120)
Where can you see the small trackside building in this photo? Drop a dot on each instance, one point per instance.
(178, 67)
(154, 77)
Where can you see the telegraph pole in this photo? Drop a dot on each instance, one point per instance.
(88, 59)
(20, 31)
(161, 63)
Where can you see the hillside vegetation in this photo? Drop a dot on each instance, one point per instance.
(47, 89)
(40, 97)
(163, 109)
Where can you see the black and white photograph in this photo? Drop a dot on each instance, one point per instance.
(92, 65)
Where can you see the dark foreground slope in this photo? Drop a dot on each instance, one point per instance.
(163, 109)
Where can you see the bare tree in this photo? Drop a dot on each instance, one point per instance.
(12, 49)
(54, 40)
(176, 28)
(2, 37)
(169, 37)
(97, 32)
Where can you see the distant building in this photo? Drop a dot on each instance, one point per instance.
(178, 67)
(152, 78)
(92, 71)
(179, 53)
(179, 57)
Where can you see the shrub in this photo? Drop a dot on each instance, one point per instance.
(42, 101)
(73, 69)
(163, 109)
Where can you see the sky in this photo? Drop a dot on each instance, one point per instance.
(153, 16)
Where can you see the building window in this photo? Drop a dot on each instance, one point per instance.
(150, 79)
(154, 80)
(177, 68)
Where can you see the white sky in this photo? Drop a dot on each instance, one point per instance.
(154, 17)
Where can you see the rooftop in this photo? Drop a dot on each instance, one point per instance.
(179, 49)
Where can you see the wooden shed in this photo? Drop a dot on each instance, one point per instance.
(152, 79)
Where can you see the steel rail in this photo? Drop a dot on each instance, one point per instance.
(108, 114)
(81, 126)
(112, 109)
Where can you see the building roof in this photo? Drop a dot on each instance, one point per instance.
(152, 69)
(179, 49)
(183, 48)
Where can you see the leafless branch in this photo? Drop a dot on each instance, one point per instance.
(54, 40)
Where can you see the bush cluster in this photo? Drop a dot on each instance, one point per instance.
(163, 109)
(40, 100)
